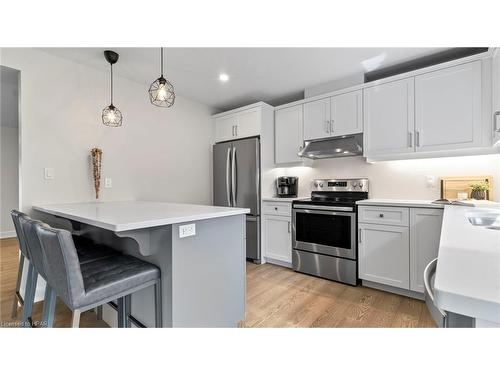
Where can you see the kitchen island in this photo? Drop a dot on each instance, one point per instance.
(199, 249)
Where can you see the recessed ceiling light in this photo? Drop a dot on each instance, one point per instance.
(223, 77)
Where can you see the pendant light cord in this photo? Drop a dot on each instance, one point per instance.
(111, 84)
(161, 61)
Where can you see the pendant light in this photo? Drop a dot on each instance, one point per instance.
(111, 116)
(161, 91)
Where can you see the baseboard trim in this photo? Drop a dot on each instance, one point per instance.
(392, 289)
(8, 234)
(278, 262)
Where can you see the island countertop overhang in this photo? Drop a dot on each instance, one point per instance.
(132, 215)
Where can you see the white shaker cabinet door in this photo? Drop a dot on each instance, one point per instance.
(317, 119)
(278, 238)
(425, 231)
(249, 123)
(448, 108)
(496, 97)
(388, 118)
(288, 134)
(225, 128)
(346, 113)
(384, 254)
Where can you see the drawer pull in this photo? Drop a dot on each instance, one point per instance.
(381, 215)
(276, 208)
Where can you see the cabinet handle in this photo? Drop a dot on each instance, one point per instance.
(331, 126)
(327, 126)
(289, 229)
(236, 130)
(417, 138)
(497, 129)
(232, 130)
(410, 139)
(381, 215)
(359, 235)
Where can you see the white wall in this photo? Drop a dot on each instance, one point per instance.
(398, 179)
(158, 153)
(9, 146)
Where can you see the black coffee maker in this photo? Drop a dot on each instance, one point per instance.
(287, 186)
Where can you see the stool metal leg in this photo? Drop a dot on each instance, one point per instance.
(75, 321)
(128, 310)
(49, 307)
(122, 312)
(99, 312)
(29, 295)
(17, 295)
(158, 305)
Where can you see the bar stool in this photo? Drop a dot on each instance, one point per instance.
(29, 244)
(85, 286)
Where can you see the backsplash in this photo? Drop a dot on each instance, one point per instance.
(402, 179)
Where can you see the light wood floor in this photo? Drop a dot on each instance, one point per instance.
(276, 297)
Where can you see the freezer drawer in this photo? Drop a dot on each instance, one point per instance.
(253, 238)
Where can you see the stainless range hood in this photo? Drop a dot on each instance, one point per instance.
(336, 147)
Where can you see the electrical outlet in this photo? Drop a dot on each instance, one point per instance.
(49, 173)
(430, 181)
(108, 182)
(187, 230)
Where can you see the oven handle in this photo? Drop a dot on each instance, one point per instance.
(323, 208)
(319, 212)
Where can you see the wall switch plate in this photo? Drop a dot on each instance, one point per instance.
(49, 173)
(108, 182)
(430, 181)
(187, 230)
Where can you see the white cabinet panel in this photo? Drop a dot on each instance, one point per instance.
(288, 132)
(317, 119)
(278, 238)
(249, 123)
(389, 118)
(496, 97)
(384, 254)
(448, 108)
(425, 231)
(225, 128)
(346, 113)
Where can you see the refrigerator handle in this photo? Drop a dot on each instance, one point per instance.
(228, 183)
(233, 176)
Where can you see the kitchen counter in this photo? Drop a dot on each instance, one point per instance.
(278, 199)
(400, 202)
(130, 215)
(200, 250)
(467, 278)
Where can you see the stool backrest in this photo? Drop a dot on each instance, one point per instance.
(61, 264)
(28, 227)
(15, 214)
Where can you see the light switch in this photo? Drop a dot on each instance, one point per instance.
(187, 230)
(49, 173)
(108, 182)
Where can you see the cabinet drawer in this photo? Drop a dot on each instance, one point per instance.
(384, 215)
(277, 208)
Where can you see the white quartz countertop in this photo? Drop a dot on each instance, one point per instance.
(278, 199)
(468, 270)
(399, 202)
(130, 215)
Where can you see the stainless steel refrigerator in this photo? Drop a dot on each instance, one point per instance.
(237, 184)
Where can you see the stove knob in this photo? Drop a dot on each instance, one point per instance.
(315, 184)
(320, 184)
(360, 185)
(354, 184)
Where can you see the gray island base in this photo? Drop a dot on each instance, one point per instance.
(203, 275)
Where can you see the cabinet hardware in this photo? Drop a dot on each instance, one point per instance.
(276, 208)
(327, 126)
(417, 138)
(232, 130)
(289, 230)
(236, 130)
(331, 126)
(381, 215)
(301, 147)
(497, 129)
(359, 235)
(410, 139)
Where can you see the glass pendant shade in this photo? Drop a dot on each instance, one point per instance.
(161, 91)
(111, 116)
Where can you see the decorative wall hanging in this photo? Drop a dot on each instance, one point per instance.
(96, 155)
(161, 91)
(111, 116)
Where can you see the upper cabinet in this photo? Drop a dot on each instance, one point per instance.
(334, 116)
(246, 123)
(346, 114)
(448, 108)
(389, 118)
(288, 130)
(496, 97)
(317, 119)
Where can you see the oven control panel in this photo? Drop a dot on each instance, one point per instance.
(353, 184)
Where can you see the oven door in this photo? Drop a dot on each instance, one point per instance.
(325, 232)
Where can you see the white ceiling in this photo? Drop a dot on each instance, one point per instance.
(273, 75)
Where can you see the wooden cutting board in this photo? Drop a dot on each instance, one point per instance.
(451, 186)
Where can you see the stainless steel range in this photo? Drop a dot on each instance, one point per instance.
(324, 230)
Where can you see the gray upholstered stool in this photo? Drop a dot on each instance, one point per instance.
(85, 286)
(29, 293)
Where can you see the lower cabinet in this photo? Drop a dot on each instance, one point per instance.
(384, 254)
(396, 255)
(278, 238)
